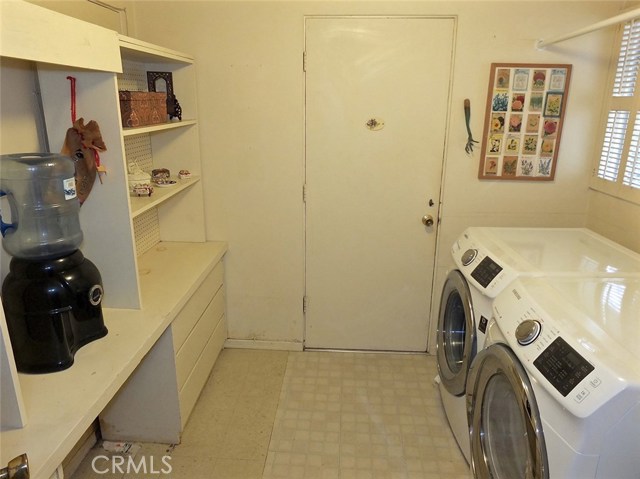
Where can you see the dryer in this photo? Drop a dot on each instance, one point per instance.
(555, 394)
(488, 260)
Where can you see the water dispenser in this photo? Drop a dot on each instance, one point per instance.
(52, 296)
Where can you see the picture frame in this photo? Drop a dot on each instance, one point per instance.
(162, 82)
(525, 108)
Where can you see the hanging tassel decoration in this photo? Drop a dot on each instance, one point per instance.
(83, 144)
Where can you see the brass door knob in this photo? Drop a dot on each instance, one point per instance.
(427, 220)
(18, 468)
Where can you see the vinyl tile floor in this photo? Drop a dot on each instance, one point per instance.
(307, 415)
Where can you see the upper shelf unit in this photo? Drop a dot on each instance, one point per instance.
(175, 213)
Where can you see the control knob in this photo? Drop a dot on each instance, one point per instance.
(469, 256)
(528, 331)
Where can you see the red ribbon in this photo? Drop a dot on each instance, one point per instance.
(73, 98)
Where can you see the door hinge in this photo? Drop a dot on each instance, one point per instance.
(304, 193)
(305, 304)
(304, 61)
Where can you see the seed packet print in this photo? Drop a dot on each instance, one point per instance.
(544, 167)
(502, 78)
(491, 166)
(500, 102)
(495, 144)
(547, 147)
(535, 101)
(558, 79)
(553, 105)
(517, 101)
(539, 79)
(497, 123)
(550, 128)
(521, 79)
(512, 144)
(530, 145)
(509, 165)
(526, 167)
(515, 122)
(533, 123)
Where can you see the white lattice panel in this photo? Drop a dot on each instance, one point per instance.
(137, 149)
(146, 230)
(133, 77)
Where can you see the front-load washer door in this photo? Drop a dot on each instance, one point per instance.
(456, 340)
(505, 428)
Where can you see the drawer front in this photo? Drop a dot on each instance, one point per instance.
(189, 315)
(197, 379)
(191, 349)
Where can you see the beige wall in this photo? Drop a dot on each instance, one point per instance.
(251, 90)
(93, 13)
(615, 219)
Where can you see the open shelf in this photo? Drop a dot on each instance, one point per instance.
(158, 127)
(140, 204)
(136, 50)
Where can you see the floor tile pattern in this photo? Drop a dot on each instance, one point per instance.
(325, 415)
(355, 415)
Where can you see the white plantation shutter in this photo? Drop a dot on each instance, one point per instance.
(632, 168)
(619, 162)
(613, 145)
(627, 69)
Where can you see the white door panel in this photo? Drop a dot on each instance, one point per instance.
(369, 258)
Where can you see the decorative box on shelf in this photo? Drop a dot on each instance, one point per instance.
(140, 108)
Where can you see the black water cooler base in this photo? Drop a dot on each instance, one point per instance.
(53, 308)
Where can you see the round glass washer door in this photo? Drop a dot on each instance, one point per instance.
(505, 429)
(456, 339)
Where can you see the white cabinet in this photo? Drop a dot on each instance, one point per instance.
(155, 403)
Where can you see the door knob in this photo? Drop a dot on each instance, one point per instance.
(18, 468)
(427, 220)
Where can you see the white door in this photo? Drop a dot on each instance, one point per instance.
(376, 109)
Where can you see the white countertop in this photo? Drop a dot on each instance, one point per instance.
(61, 406)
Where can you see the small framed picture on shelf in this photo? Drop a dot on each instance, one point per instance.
(163, 82)
(524, 114)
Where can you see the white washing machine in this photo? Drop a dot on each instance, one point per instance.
(555, 394)
(488, 260)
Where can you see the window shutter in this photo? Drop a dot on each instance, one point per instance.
(632, 168)
(618, 167)
(611, 155)
(628, 62)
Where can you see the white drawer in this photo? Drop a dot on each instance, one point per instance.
(189, 315)
(200, 373)
(191, 349)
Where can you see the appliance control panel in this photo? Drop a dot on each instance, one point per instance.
(480, 266)
(560, 360)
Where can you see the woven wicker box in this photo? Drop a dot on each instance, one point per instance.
(141, 108)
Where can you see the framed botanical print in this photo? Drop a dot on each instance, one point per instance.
(525, 109)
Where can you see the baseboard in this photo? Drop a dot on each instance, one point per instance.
(260, 344)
